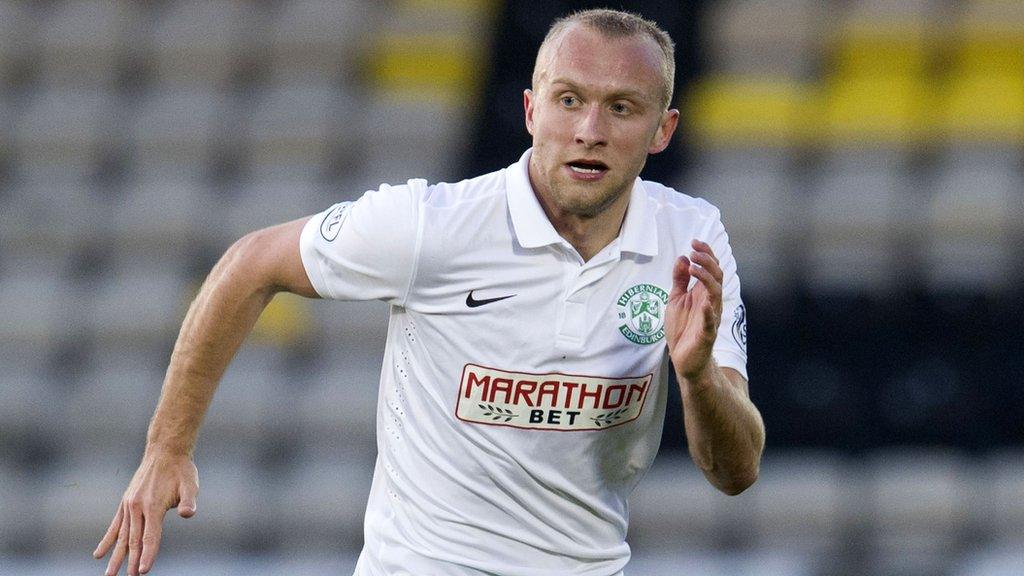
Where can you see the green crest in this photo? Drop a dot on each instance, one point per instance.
(642, 313)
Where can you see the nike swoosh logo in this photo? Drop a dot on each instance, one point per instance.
(473, 303)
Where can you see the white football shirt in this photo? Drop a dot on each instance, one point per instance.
(523, 390)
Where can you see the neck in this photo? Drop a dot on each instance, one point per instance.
(588, 234)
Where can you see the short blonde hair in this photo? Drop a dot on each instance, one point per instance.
(618, 24)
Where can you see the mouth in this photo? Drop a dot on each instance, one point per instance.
(586, 169)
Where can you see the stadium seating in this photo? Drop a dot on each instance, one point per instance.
(865, 156)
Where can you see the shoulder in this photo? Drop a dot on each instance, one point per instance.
(672, 204)
(449, 194)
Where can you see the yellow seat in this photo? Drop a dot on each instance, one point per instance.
(883, 48)
(989, 49)
(485, 7)
(284, 322)
(876, 110)
(429, 67)
(742, 112)
(980, 107)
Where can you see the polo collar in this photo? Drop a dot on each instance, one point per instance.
(532, 228)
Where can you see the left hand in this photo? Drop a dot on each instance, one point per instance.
(692, 317)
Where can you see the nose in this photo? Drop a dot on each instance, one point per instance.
(590, 129)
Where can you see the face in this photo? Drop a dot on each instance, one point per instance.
(595, 114)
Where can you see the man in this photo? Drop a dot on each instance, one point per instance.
(524, 383)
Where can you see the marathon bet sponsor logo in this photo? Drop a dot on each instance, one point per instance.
(642, 313)
(331, 225)
(551, 401)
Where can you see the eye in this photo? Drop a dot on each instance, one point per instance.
(568, 101)
(621, 108)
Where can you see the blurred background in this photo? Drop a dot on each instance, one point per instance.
(866, 156)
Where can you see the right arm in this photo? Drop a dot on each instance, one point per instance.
(234, 294)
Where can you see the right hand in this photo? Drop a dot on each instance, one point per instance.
(163, 481)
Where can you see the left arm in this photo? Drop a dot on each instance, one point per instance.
(724, 429)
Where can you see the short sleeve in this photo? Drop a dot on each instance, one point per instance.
(730, 348)
(366, 249)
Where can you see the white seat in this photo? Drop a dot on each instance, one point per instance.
(198, 42)
(7, 114)
(60, 124)
(186, 560)
(884, 11)
(153, 168)
(778, 38)
(162, 214)
(359, 325)
(801, 501)
(19, 507)
(22, 256)
(80, 41)
(991, 561)
(138, 303)
(1008, 14)
(319, 38)
(322, 504)
(399, 164)
(674, 506)
(271, 201)
(293, 122)
(27, 398)
(274, 177)
(315, 563)
(918, 503)
(249, 397)
(37, 304)
(80, 497)
(860, 209)
(17, 29)
(410, 124)
(405, 139)
(323, 22)
(766, 38)
(52, 205)
(340, 397)
(236, 502)
(757, 204)
(759, 562)
(116, 399)
(179, 123)
(973, 215)
(1002, 507)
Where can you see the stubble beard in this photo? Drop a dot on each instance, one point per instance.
(585, 200)
(589, 199)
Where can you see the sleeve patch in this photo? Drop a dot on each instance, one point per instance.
(331, 225)
(739, 326)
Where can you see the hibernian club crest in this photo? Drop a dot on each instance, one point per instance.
(642, 313)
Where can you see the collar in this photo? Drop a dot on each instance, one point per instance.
(532, 228)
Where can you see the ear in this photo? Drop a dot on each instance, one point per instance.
(667, 127)
(528, 106)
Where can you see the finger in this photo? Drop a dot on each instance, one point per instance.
(708, 262)
(680, 277)
(151, 539)
(121, 548)
(708, 307)
(711, 310)
(111, 536)
(707, 279)
(701, 246)
(135, 537)
(187, 503)
(710, 319)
